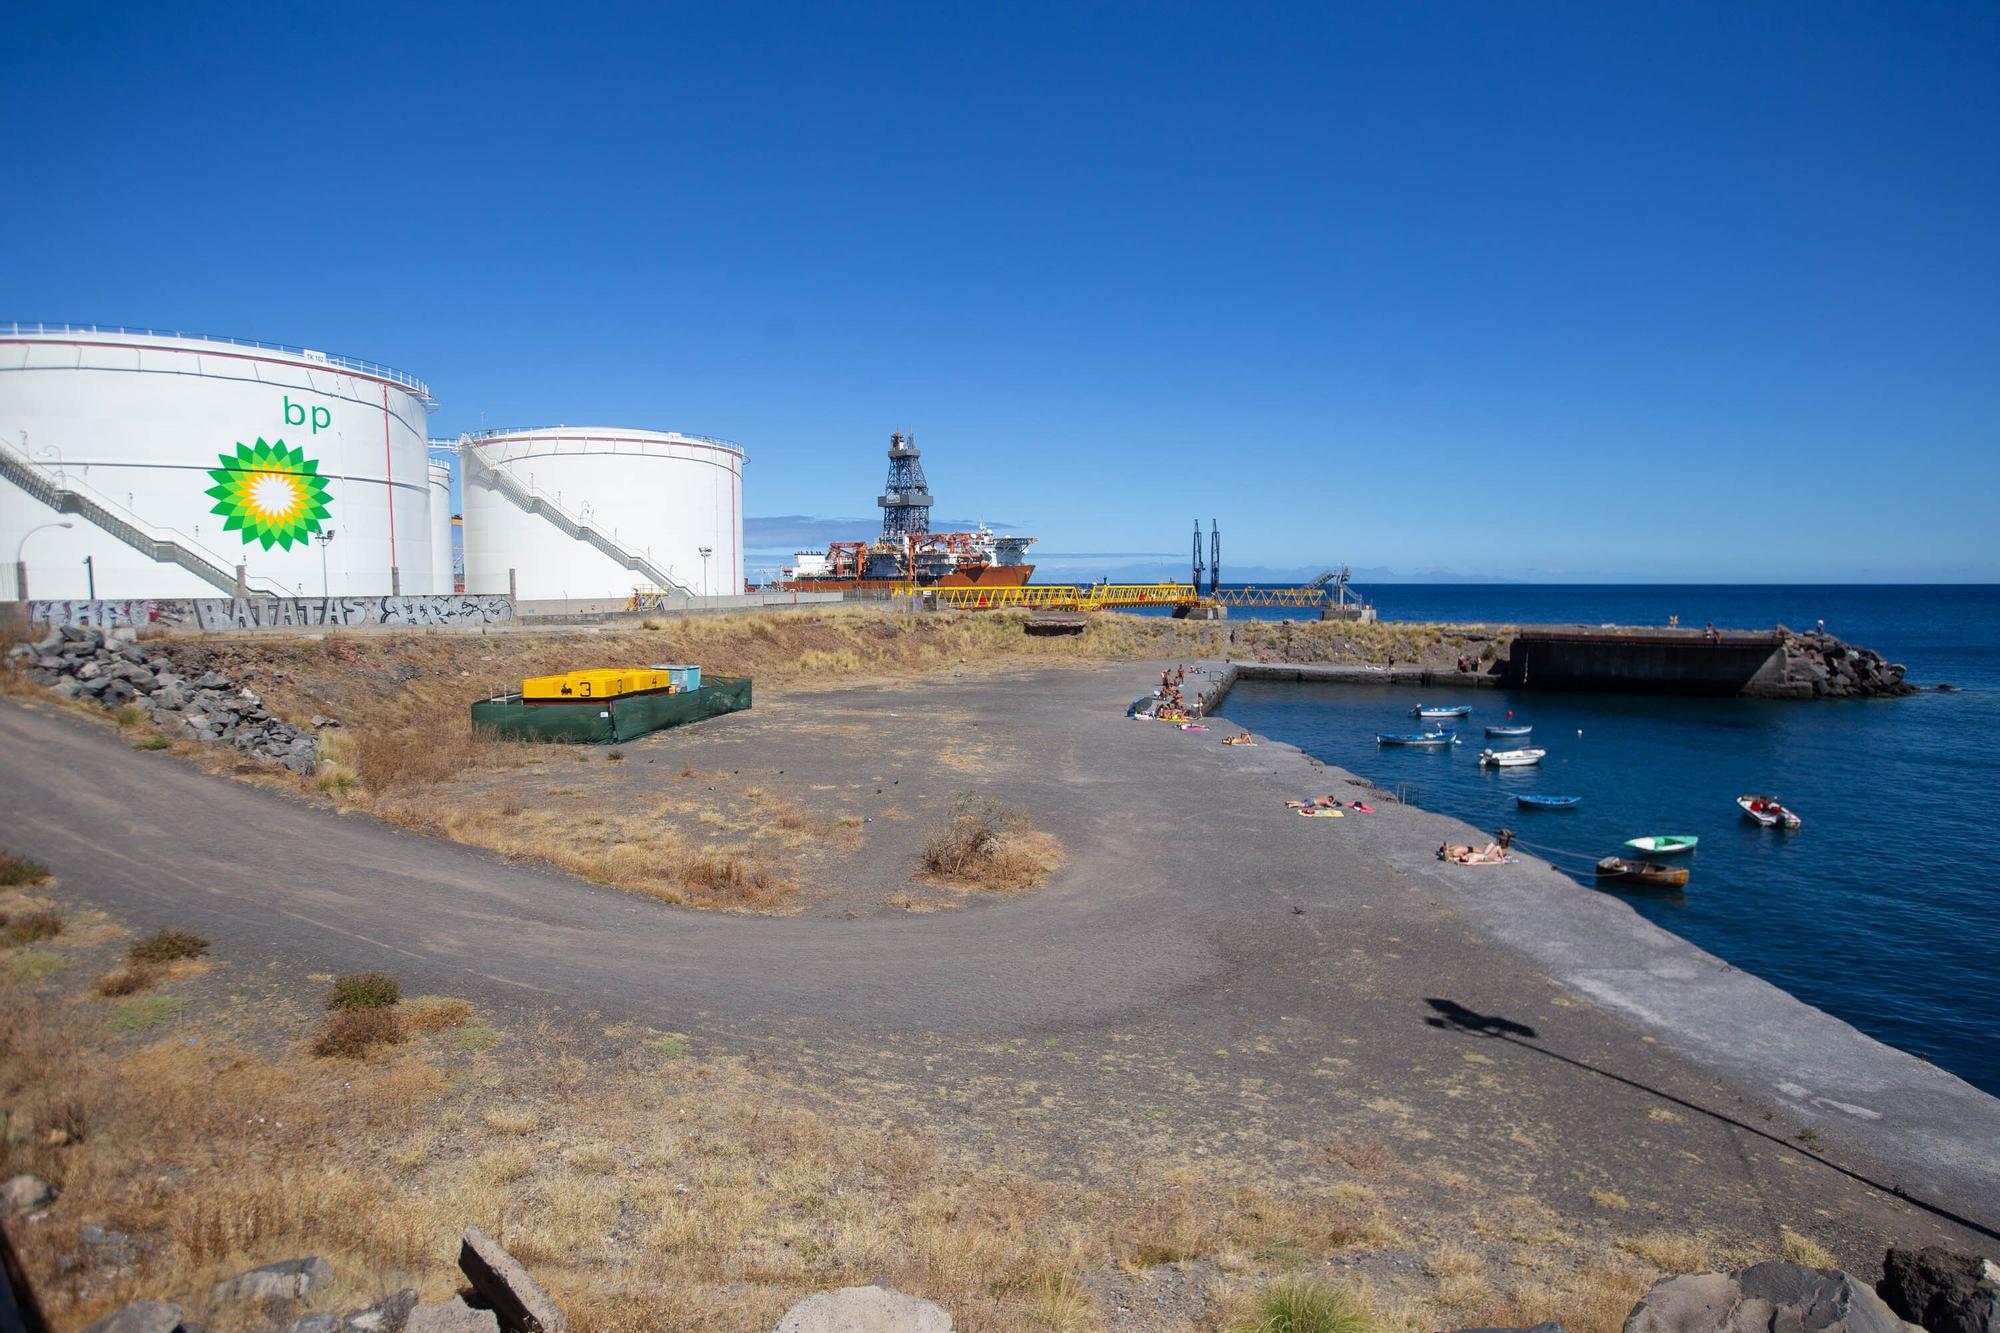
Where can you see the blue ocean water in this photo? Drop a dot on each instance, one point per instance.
(1883, 909)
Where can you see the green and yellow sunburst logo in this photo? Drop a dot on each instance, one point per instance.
(270, 494)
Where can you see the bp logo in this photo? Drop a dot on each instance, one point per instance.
(270, 494)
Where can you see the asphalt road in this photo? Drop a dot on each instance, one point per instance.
(1504, 1018)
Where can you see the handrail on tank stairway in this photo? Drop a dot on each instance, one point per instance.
(535, 502)
(65, 494)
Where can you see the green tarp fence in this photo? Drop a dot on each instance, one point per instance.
(620, 719)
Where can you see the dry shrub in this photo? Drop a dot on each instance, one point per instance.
(364, 990)
(352, 1033)
(27, 927)
(435, 1013)
(986, 845)
(1061, 1304)
(166, 946)
(1595, 1297)
(18, 871)
(1306, 1305)
(725, 878)
(1796, 1249)
(1185, 1221)
(392, 756)
(1460, 1275)
(127, 980)
(1669, 1251)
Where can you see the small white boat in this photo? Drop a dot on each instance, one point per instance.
(1510, 730)
(1511, 758)
(1768, 812)
(1456, 710)
(1664, 844)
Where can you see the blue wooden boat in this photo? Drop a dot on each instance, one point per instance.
(1509, 731)
(1416, 738)
(1456, 710)
(1527, 802)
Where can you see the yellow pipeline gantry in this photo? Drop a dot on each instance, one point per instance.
(1109, 596)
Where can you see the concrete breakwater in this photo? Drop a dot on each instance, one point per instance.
(1777, 664)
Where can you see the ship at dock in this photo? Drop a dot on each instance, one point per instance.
(908, 552)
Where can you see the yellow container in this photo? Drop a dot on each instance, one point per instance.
(604, 683)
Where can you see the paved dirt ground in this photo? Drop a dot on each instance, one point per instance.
(1207, 977)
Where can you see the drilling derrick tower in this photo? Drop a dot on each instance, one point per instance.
(906, 500)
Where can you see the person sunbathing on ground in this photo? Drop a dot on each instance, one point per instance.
(1240, 738)
(1316, 803)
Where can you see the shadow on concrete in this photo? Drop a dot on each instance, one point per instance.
(1451, 1016)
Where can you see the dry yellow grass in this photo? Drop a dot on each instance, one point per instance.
(1797, 1249)
(652, 1182)
(1669, 1251)
(662, 1187)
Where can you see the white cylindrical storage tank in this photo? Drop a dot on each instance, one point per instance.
(442, 580)
(596, 512)
(175, 459)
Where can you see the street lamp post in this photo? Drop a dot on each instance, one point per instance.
(90, 576)
(325, 539)
(707, 598)
(21, 566)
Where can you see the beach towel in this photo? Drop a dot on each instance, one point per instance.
(1324, 814)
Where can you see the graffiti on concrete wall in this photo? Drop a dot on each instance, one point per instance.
(111, 615)
(225, 613)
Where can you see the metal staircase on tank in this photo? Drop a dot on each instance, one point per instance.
(65, 496)
(534, 502)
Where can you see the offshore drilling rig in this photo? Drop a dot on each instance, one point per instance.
(907, 550)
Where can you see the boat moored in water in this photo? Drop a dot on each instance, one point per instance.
(1509, 731)
(1651, 874)
(1663, 844)
(1416, 738)
(1767, 811)
(1528, 802)
(1511, 758)
(1455, 710)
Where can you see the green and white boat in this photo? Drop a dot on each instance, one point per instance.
(1662, 844)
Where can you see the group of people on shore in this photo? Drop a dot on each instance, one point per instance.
(1464, 854)
(1170, 689)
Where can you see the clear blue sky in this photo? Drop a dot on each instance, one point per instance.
(1674, 291)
